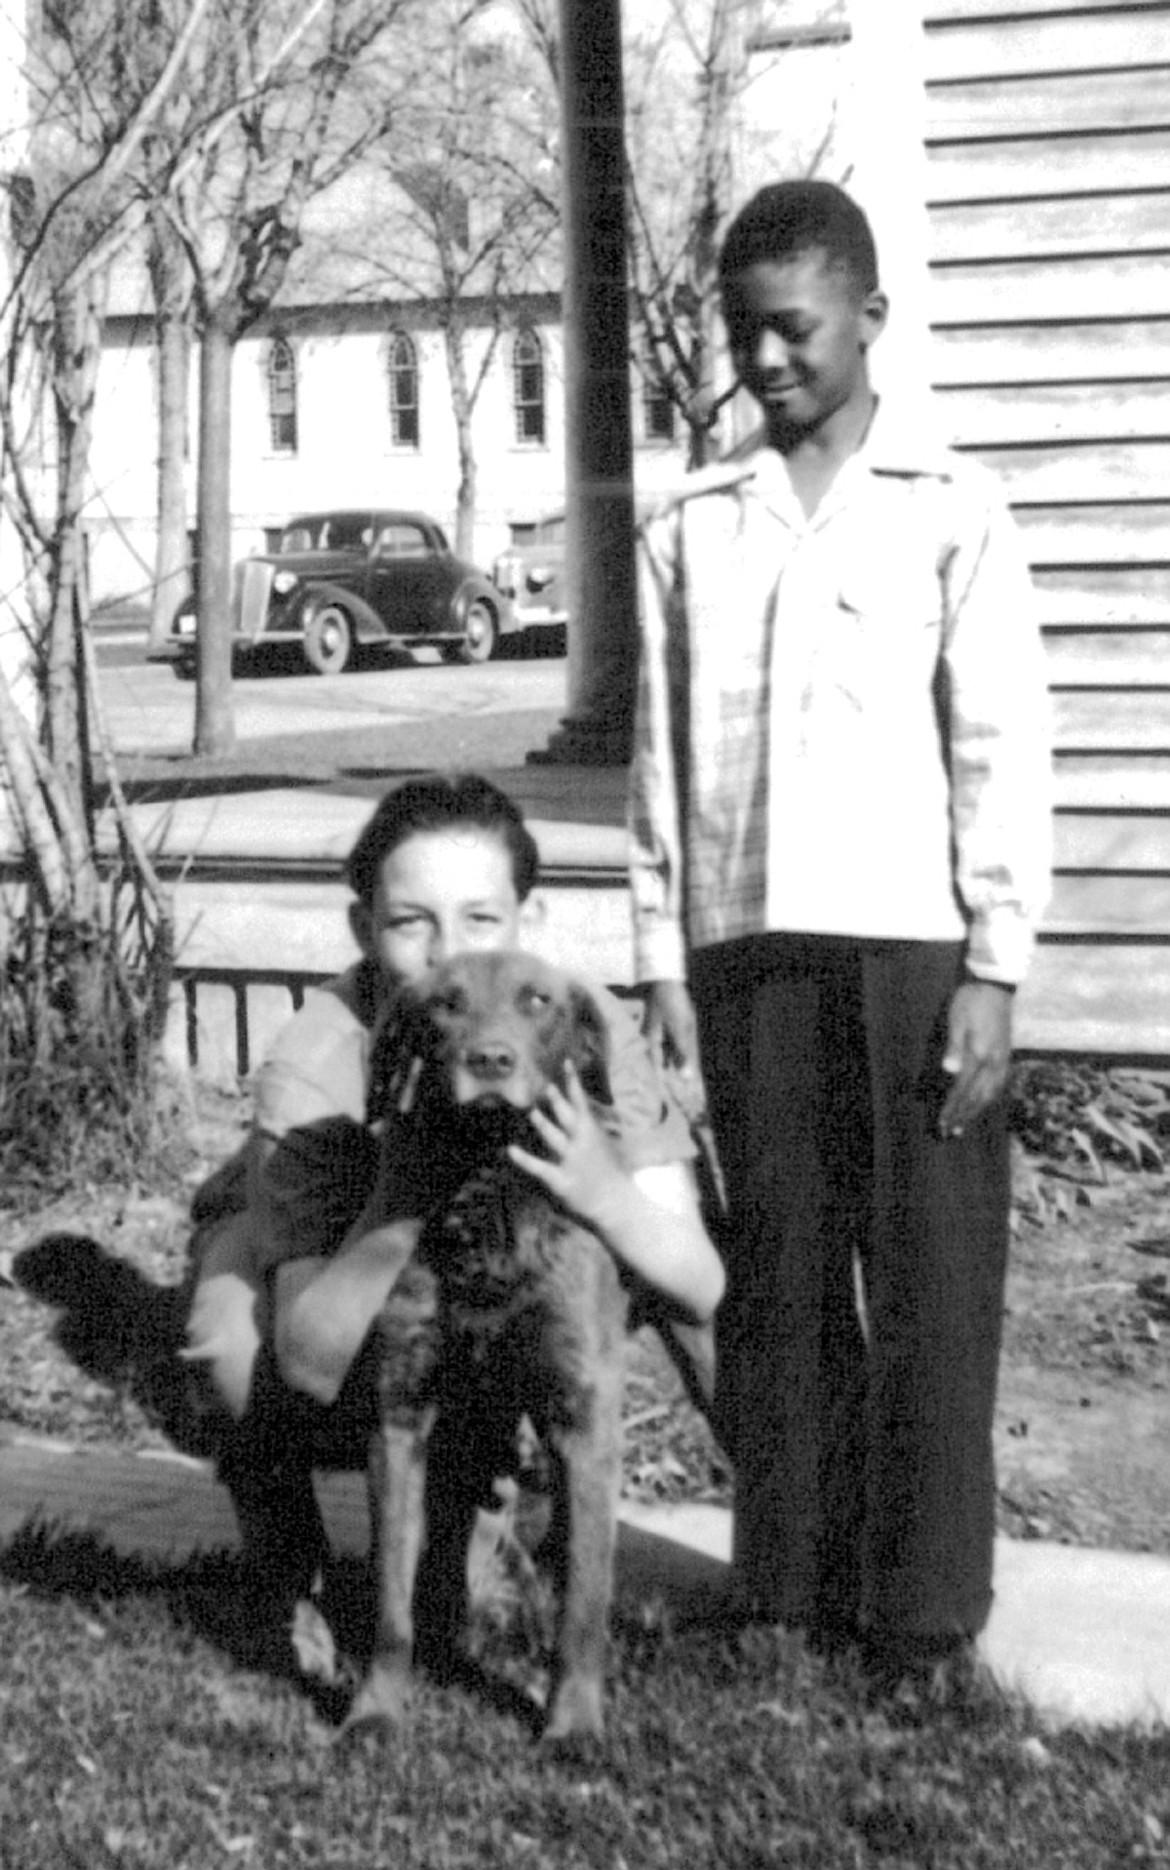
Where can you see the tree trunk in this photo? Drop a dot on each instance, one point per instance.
(168, 271)
(77, 353)
(215, 732)
(461, 403)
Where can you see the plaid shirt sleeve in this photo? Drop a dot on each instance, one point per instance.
(1000, 743)
(655, 825)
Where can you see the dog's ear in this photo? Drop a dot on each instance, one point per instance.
(589, 1045)
(396, 1058)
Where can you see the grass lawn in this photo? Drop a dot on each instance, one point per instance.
(142, 1724)
(150, 1716)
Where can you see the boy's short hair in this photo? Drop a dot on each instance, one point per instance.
(787, 218)
(439, 802)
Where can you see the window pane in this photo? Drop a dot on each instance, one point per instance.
(528, 387)
(282, 397)
(401, 540)
(404, 422)
(657, 413)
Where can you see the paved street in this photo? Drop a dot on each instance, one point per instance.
(373, 720)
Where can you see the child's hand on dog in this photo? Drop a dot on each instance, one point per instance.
(657, 1234)
(582, 1170)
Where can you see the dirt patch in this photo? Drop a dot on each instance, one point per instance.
(1084, 1405)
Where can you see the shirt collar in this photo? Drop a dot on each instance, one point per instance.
(906, 440)
(900, 441)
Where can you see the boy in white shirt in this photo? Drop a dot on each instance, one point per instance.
(839, 824)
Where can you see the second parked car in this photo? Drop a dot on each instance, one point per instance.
(531, 573)
(348, 581)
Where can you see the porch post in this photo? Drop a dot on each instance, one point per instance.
(599, 505)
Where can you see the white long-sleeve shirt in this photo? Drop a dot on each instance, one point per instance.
(843, 723)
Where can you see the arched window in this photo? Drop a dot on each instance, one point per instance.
(403, 363)
(528, 388)
(282, 397)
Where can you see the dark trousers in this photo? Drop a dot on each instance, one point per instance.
(859, 1339)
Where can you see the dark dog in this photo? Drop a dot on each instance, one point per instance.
(510, 1308)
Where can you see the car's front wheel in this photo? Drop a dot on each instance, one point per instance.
(328, 640)
(478, 642)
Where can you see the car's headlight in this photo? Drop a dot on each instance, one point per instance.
(505, 572)
(284, 582)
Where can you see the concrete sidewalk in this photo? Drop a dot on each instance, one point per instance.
(1084, 1634)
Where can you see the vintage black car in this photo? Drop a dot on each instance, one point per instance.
(343, 583)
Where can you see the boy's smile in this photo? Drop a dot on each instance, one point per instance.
(799, 333)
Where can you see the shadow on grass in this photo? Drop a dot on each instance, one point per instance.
(121, 1329)
(209, 1594)
(213, 1596)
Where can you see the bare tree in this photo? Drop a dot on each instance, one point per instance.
(685, 76)
(171, 287)
(472, 163)
(87, 958)
(288, 94)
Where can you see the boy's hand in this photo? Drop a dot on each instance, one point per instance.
(978, 1054)
(582, 1170)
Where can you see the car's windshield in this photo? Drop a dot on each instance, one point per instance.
(327, 532)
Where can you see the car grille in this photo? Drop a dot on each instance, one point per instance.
(505, 575)
(253, 587)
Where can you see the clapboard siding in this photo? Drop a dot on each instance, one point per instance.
(1107, 996)
(1064, 350)
(1111, 782)
(1080, 471)
(1112, 719)
(1137, 782)
(1111, 658)
(1104, 40)
(1121, 534)
(1063, 104)
(1136, 595)
(1048, 148)
(1133, 843)
(1098, 284)
(1002, 170)
(1066, 413)
(1111, 904)
(1084, 222)
(944, 15)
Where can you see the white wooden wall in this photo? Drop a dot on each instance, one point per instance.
(1048, 141)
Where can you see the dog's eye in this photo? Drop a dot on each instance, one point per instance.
(533, 1000)
(449, 1000)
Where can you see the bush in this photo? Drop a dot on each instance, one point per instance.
(1076, 1113)
(1074, 1122)
(79, 1060)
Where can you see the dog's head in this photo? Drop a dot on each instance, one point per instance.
(485, 1037)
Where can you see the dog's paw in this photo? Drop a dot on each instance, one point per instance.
(576, 1717)
(379, 1707)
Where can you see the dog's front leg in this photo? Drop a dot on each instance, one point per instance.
(589, 1457)
(455, 1488)
(406, 1355)
(397, 1484)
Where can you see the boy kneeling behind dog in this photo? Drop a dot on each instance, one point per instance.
(290, 1273)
